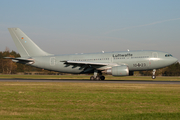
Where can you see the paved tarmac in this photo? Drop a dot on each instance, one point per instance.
(89, 81)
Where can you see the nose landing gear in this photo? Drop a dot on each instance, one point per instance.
(154, 72)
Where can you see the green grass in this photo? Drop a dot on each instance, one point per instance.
(40, 100)
(87, 77)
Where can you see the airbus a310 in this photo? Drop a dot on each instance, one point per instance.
(114, 63)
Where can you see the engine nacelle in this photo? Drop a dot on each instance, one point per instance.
(119, 71)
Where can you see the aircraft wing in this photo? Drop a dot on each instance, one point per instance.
(88, 66)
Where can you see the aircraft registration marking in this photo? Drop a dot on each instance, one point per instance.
(139, 65)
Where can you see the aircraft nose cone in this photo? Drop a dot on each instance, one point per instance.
(176, 59)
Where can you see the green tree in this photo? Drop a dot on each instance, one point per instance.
(172, 70)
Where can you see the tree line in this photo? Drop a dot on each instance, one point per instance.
(9, 67)
(172, 70)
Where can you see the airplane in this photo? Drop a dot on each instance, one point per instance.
(115, 63)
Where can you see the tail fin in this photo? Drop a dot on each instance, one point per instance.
(26, 47)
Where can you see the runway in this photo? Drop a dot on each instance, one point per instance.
(89, 81)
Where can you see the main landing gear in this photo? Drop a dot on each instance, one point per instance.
(96, 76)
(154, 76)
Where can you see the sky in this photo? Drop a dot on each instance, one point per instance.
(82, 26)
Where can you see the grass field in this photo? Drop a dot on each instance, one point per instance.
(101, 101)
(87, 77)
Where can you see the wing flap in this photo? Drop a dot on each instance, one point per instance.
(84, 63)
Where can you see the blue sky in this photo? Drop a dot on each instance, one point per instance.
(81, 26)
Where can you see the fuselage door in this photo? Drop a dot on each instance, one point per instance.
(111, 59)
(153, 62)
(155, 55)
(52, 61)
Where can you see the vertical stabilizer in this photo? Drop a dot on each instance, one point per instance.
(26, 47)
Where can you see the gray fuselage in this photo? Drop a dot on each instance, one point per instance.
(135, 60)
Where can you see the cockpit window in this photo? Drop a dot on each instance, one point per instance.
(168, 55)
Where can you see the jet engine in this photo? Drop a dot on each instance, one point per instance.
(120, 71)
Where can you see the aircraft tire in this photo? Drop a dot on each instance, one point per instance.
(153, 77)
(102, 78)
(92, 78)
(98, 78)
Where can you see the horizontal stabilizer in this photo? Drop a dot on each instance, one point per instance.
(21, 60)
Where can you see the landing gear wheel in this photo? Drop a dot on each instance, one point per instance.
(154, 74)
(92, 78)
(98, 78)
(153, 77)
(102, 78)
